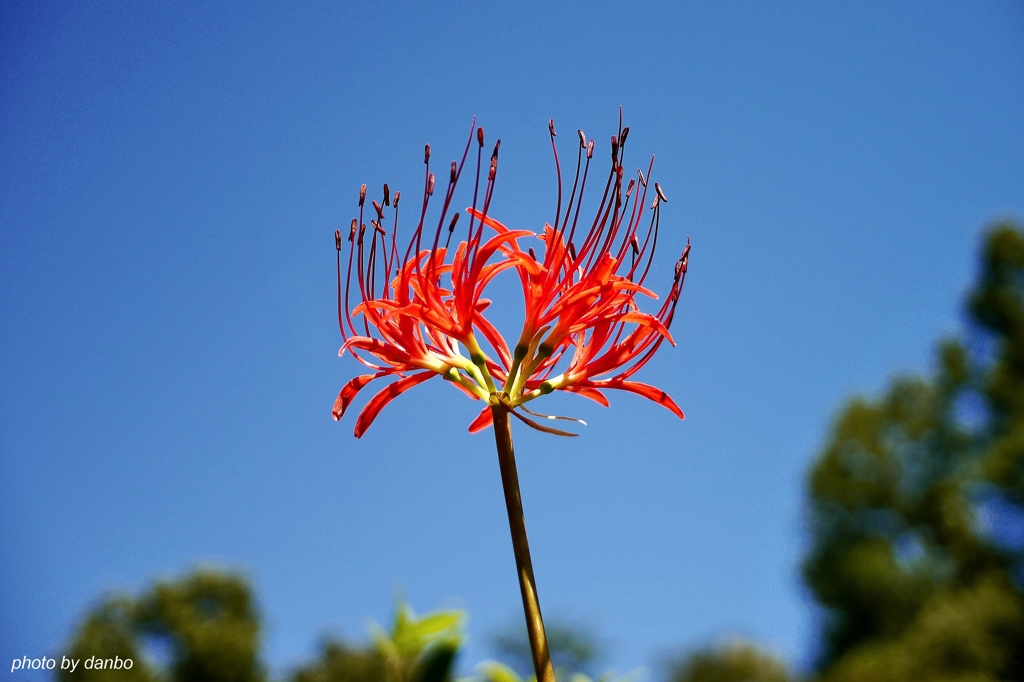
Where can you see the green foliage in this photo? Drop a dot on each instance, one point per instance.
(207, 621)
(960, 634)
(109, 630)
(212, 623)
(418, 649)
(912, 589)
(997, 305)
(737, 662)
(341, 662)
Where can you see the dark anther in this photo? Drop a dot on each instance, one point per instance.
(615, 148)
(551, 127)
(455, 170)
(426, 153)
(629, 188)
(337, 239)
(352, 230)
(497, 146)
(661, 195)
(362, 195)
(590, 149)
(455, 219)
(635, 244)
(397, 195)
(618, 172)
(362, 231)
(533, 255)
(572, 251)
(643, 180)
(379, 210)
(387, 195)
(583, 139)
(480, 136)
(430, 185)
(625, 132)
(380, 229)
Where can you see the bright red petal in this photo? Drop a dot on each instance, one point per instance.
(384, 397)
(650, 392)
(350, 390)
(591, 393)
(482, 421)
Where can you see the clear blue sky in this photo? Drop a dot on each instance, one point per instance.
(170, 180)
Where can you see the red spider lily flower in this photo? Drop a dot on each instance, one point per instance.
(583, 331)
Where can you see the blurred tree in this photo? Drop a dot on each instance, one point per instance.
(912, 587)
(736, 662)
(342, 662)
(997, 306)
(206, 621)
(211, 623)
(108, 631)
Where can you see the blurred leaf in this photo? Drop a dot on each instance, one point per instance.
(499, 672)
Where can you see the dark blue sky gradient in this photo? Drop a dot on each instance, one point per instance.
(170, 179)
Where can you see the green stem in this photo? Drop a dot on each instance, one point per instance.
(520, 545)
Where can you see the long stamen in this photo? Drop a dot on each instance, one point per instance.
(640, 202)
(394, 239)
(597, 228)
(629, 233)
(654, 242)
(476, 185)
(348, 276)
(453, 180)
(616, 219)
(451, 230)
(428, 189)
(488, 192)
(558, 171)
(337, 246)
(554, 271)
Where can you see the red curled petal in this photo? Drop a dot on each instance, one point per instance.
(350, 390)
(384, 397)
(650, 392)
(591, 393)
(482, 421)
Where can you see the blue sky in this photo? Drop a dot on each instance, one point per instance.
(172, 177)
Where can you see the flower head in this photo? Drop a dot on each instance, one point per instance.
(583, 330)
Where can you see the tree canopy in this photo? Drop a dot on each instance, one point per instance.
(912, 584)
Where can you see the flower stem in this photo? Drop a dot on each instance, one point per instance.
(517, 524)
